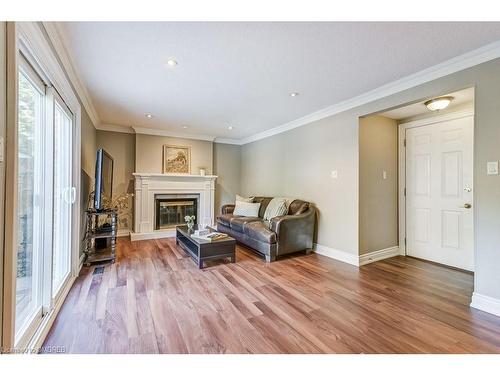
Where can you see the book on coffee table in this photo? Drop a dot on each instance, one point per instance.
(214, 236)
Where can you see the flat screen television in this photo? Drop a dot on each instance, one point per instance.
(103, 179)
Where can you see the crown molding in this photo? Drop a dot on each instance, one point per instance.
(456, 64)
(164, 133)
(229, 141)
(168, 133)
(115, 128)
(60, 43)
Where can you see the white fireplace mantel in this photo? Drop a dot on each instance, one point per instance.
(148, 185)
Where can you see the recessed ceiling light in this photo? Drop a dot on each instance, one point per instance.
(184, 127)
(293, 94)
(172, 62)
(230, 127)
(149, 115)
(438, 103)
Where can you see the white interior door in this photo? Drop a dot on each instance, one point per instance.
(439, 215)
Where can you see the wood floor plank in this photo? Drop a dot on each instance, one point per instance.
(154, 299)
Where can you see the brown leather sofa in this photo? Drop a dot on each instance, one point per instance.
(282, 235)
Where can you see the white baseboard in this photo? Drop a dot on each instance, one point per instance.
(123, 233)
(152, 235)
(377, 255)
(80, 265)
(489, 304)
(402, 251)
(341, 255)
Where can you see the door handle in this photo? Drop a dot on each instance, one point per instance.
(467, 205)
(67, 195)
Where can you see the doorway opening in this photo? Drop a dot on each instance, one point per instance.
(416, 182)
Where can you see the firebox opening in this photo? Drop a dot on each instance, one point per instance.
(170, 211)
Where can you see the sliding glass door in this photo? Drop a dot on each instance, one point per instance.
(30, 200)
(64, 195)
(44, 200)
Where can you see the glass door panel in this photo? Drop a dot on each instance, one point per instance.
(45, 197)
(64, 195)
(30, 203)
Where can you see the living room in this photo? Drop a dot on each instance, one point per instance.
(243, 187)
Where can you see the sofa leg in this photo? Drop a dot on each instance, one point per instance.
(270, 258)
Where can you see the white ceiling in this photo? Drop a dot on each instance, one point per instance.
(241, 74)
(461, 99)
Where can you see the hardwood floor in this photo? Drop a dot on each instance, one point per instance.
(155, 300)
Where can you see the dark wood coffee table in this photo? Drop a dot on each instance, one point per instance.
(201, 250)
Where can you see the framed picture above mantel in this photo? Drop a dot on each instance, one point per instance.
(176, 159)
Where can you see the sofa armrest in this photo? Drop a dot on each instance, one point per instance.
(294, 232)
(227, 209)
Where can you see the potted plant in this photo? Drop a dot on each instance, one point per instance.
(189, 221)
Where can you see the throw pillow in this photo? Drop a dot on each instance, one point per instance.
(239, 198)
(246, 209)
(277, 207)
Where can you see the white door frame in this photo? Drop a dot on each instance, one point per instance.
(402, 168)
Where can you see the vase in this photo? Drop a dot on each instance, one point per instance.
(190, 225)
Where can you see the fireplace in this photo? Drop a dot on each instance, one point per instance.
(170, 209)
(150, 186)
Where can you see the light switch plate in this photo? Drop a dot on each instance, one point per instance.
(384, 175)
(492, 167)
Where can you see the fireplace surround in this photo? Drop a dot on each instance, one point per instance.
(149, 186)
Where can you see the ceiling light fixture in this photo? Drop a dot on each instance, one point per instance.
(172, 62)
(438, 103)
(149, 115)
(294, 94)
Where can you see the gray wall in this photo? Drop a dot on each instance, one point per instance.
(89, 139)
(88, 149)
(227, 166)
(149, 153)
(378, 198)
(300, 161)
(121, 146)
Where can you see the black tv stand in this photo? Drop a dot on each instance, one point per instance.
(95, 233)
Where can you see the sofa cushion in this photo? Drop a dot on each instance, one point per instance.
(238, 222)
(225, 219)
(298, 207)
(259, 231)
(246, 209)
(277, 207)
(264, 201)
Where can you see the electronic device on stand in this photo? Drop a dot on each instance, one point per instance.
(101, 222)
